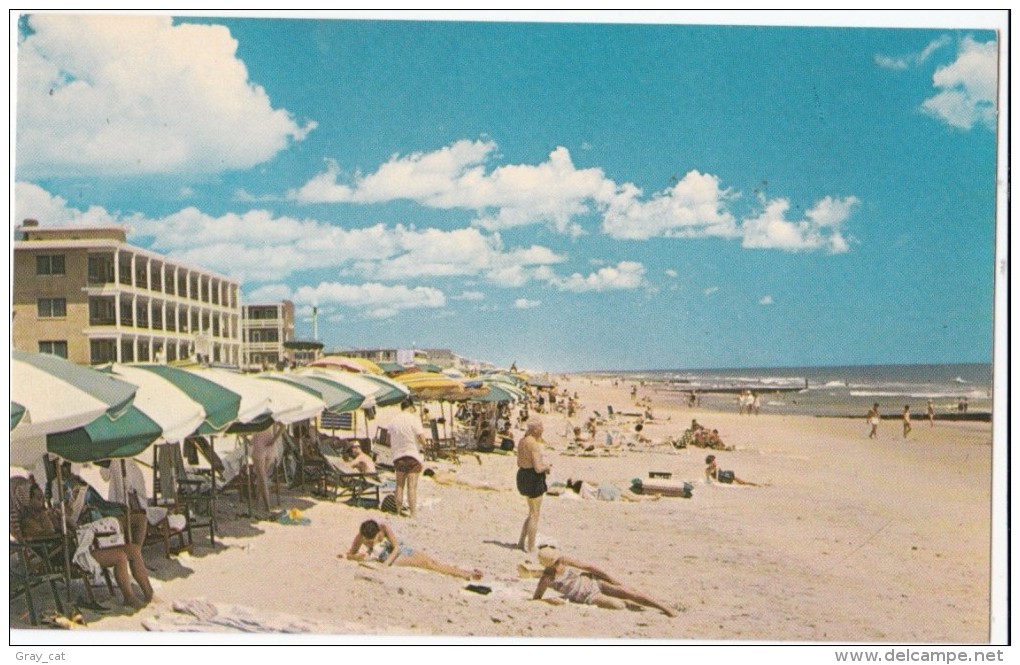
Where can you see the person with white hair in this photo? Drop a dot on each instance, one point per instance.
(531, 473)
(587, 584)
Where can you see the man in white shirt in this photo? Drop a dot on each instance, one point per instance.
(407, 438)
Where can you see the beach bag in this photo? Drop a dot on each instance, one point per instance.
(389, 503)
(506, 444)
(726, 476)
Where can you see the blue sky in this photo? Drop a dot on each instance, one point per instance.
(566, 196)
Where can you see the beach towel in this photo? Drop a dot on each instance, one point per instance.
(201, 616)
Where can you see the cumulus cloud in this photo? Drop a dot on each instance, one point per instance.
(913, 59)
(820, 229)
(624, 275)
(455, 177)
(524, 303)
(710, 290)
(672, 273)
(554, 193)
(694, 207)
(967, 87)
(140, 95)
(469, 295)
(370, 300)
(766, 300)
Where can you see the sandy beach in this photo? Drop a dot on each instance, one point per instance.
(849, 540)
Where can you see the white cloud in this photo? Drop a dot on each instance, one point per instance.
(454, 177)
(258, 246)
(967, 87)
(524, 303)
(710, 290)
(913, 59)
(672, 273)
(371, 300)
(694, 207)
(821, 228)
(767, 300)
(625, 275)
(140, 95)
(469, 295)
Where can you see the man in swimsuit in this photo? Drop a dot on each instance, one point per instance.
(586, 584)
(531, 473)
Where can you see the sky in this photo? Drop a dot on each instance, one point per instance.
(563, 196)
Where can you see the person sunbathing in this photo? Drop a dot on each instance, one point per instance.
(358, 459)
(605, 492)
(382, 545)
(586, 584)
(450, 479)
(712, 473)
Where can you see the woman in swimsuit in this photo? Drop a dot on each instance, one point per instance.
(586, 584)
(383, 545)
(531, 473)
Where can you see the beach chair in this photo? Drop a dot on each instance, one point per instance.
(338, 479)
(33, 563)
(438, 447)
(175, 490)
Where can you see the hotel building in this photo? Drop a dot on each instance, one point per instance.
(85, 294)
(265, 330)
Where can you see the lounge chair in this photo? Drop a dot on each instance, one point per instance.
(438, 447)
(177, 491)
(337, 480)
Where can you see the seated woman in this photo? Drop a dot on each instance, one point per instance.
(585, 584)
(712, 472)
(89, 506)
(37, 521)
(357, 458)
(382, 544)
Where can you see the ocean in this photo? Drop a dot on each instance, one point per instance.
(829, 391)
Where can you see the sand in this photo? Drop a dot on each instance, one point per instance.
(851, 540)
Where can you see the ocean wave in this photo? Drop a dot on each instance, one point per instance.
(972, 394)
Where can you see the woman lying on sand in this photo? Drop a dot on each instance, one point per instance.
(712, 472)
(604, 492)
(586, 584)
(383, 545)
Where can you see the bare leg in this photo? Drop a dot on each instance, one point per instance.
(529, 531)
(117, 558)
(412, 491)
(425, 562)
(617, 591)
(607, 603)
(401, 483)
(138, 570)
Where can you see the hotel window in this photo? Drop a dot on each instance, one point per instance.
(49, 264)
(51, 308)
(55, 348)
(103, 351)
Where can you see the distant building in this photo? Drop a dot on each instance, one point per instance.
(402, 356)
(265, 329)
(444, 358)
(302, 352)
(85, 294)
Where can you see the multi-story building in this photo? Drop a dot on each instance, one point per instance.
(85, 294)
(265, 329)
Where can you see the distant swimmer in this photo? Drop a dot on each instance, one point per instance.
(931, 413)
(906, 421)
(873, 419)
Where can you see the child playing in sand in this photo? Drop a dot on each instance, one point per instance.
(712, 472)
(585, 584)
(383, 545)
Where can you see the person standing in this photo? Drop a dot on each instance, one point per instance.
(531, 473)
(407, 438)
(906, 421)
(873, 419)
(931, 413)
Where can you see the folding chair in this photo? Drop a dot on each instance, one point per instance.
(174, 489)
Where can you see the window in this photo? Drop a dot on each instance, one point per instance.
(103, 351)
(102, 312)
(49, 264)
(50, 308)
(55, 348)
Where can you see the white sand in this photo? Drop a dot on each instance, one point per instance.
(853, 540)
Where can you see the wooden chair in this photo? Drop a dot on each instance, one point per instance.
(174, 489)
(438, 447)
(337, 480)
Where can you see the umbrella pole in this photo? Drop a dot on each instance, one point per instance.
(248, 471)
(63, 531)
(123, 479)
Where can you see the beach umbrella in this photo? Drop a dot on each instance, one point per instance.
(338, 362)
(50, 394)
(391, 368)
(222, 406)
(495, 393)
(429, 367)
(354, 382)
(257, 406)
(335, 397)
(298, 403)
(390, 391)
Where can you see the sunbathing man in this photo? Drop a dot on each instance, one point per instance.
(586, 584)
(357, 458)
(712, 472)
(383, 545)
